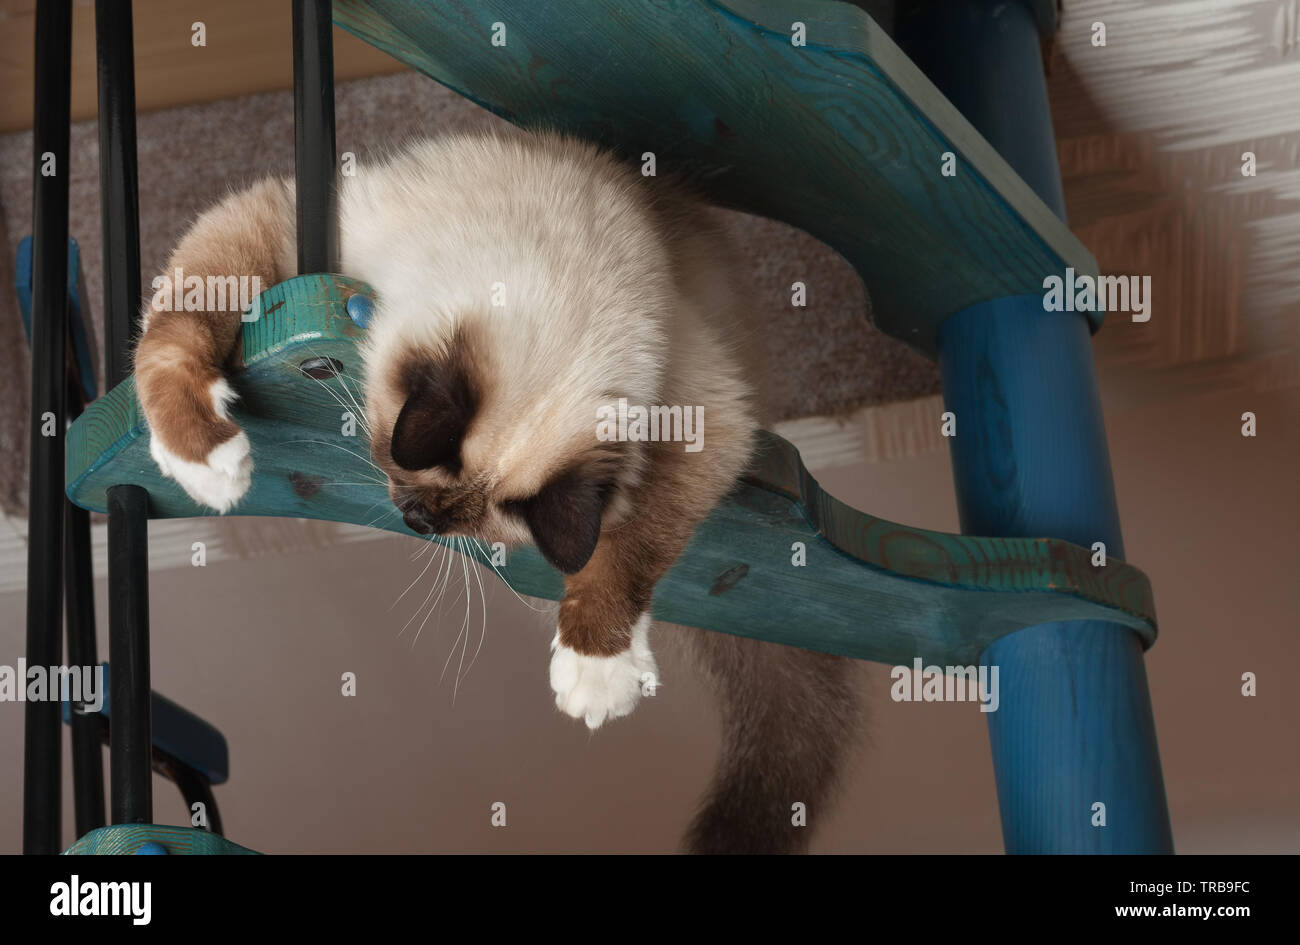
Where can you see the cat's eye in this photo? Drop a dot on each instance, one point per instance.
(321, 369)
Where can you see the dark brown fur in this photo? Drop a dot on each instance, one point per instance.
(790, 718)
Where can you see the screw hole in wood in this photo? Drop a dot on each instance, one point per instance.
(321, 369)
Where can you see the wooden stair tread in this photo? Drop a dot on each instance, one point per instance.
(117, 839)
(871, 589)
(842, 138)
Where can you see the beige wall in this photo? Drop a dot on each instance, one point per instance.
(257, 647)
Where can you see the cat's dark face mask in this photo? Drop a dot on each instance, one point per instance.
(437, 494)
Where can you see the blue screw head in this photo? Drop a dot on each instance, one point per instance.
(151, 849)
(360, 308)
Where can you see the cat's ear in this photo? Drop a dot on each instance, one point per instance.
(564, 517)
(439, 407)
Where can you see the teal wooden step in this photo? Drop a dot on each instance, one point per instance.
(81, 336)
(178, 733)
(870, 588)
(154, 839)
(842, 137)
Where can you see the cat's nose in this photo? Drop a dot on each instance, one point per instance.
(421, 521)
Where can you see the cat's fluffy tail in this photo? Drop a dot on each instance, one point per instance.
(790, 719)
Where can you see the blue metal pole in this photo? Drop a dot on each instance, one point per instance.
(1075, 727)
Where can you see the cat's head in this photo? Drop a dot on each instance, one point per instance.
(493, 434)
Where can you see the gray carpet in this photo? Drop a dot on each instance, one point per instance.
(831, 360)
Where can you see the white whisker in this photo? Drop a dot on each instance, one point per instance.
(463, 628)
(351, 405)
(432, 589)
(482, 636)
(418, 578)
(491, 564)
(364, 459)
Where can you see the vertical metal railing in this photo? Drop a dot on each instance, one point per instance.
(79, 591)
(313, 123)
(50, 529)
(130, 739)
(42, 751)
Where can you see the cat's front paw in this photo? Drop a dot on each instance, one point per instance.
(596, 688)
(223, 474)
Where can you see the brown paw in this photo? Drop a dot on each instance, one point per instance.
(194, 441)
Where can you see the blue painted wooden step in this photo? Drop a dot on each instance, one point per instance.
(841, 136)
(146, 838)
(82, 349)
(870, 589)
(177, 732)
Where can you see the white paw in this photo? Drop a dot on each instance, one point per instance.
(224, 476)
(596, 688)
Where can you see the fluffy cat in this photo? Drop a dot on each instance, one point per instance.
(484, 417)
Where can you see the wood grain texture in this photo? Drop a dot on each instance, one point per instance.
(1064, 741)
(1076, 732)
(179, 841)
(842, 137)
(942, 597)
(1075, 726)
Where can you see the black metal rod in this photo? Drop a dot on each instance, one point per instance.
(130, 731)
(119, 190)
(130, 776)
(42, 774)
(313, 124)
(79, 589)
(196, 789)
